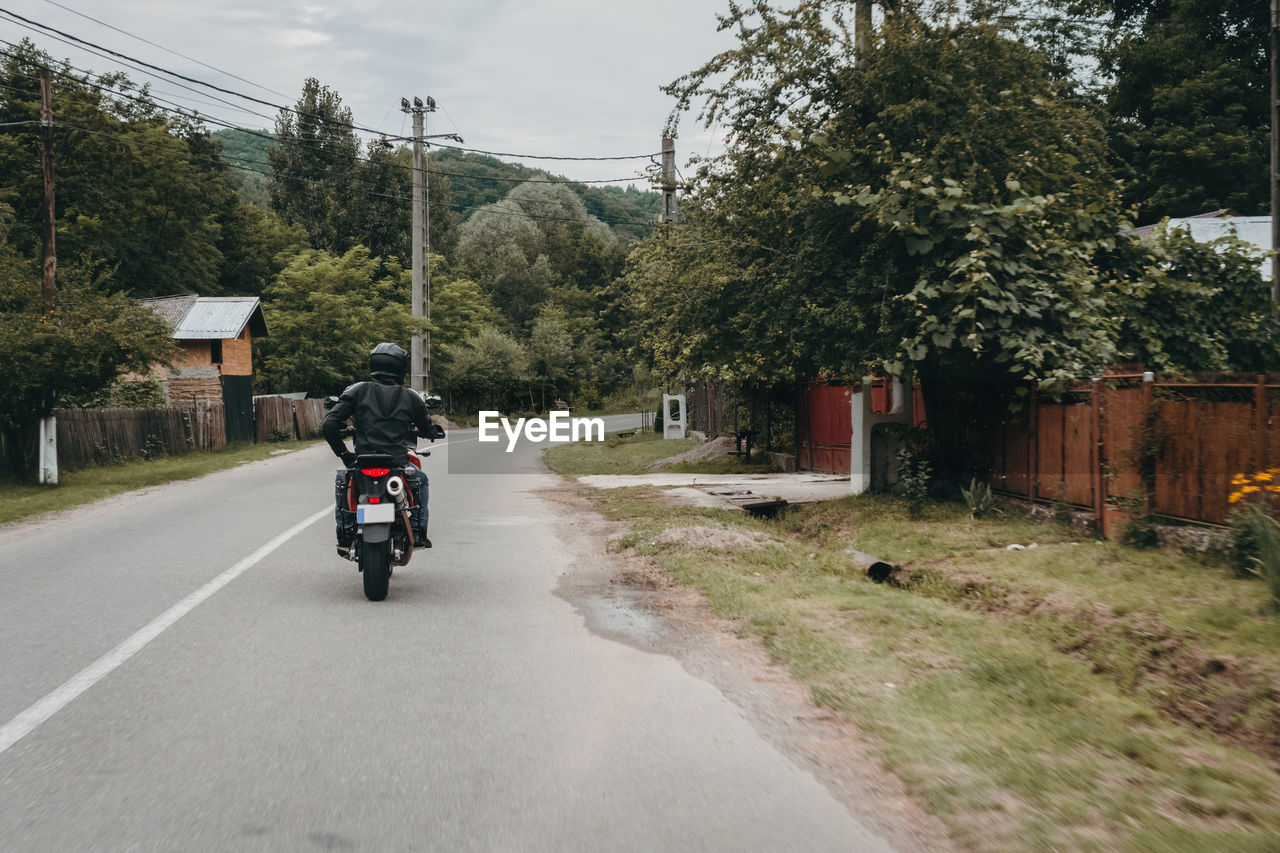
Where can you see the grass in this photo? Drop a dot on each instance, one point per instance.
(633, 454)
(22, 500)
(1075, 696)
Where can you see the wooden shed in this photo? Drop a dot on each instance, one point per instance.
(216, 336)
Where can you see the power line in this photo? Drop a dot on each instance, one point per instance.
(368, 193)
(151, 100)
(165, 49)
(28, 23)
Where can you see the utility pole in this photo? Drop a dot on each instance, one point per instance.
(1275, 151)
(48, 452)
(415, 349)
(670, 204)
(49, 266)
(420, 356)
(861, 32)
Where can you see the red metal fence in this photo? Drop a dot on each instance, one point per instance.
(1169, 447)
(824, 423)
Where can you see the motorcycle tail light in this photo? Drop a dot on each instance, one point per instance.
(375, 472)
(375, 500)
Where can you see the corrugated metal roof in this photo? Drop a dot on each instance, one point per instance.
(212, 318)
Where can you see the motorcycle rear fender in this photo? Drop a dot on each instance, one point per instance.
(373, 533)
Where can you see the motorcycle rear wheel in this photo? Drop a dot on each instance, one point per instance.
(375, 567)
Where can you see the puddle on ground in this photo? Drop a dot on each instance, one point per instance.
(621, 616)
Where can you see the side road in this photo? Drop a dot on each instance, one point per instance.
(1074, 695)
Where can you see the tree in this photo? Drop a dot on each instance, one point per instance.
(313, 165)
(77, 348)
(459, 310)
(1188, 104)
(489, 371)
(326, 312)
(551, 353)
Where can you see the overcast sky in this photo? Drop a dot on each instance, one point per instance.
(552, 77)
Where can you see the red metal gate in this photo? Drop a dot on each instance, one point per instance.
(824, 420)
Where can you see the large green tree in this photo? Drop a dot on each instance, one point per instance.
(945, 209)
(1186, 92)
(326, 312)
(313, 166)
(72, 349)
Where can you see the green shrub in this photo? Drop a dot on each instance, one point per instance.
(284, 432)
(913, 478)
(979, 498)
(1255, 543)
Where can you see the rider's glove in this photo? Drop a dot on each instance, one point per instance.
(349, 459)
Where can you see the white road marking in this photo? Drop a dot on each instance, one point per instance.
(30, 719)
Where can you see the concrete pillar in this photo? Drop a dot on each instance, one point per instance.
(863, 421)
(675, 419)
(49, 451)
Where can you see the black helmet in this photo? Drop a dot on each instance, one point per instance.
(389, 361)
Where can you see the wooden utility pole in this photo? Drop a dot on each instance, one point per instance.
(49, 267)
(671, 204)
(861, 32)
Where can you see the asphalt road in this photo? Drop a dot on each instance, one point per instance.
(192, 667)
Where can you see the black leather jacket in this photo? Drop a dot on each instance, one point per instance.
(382, 412)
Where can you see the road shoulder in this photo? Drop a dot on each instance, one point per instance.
(630, 599)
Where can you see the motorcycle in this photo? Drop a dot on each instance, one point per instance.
(376, 504)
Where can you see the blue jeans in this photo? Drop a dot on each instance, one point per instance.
(417, 481)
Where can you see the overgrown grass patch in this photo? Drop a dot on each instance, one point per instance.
(23, 500)
(1076, 695)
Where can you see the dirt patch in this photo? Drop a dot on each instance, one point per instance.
(444, 422)
(780, 708)
(714, 538)
(712, 449)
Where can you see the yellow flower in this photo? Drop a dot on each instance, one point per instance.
(1248, 490)
(1235, 496)
(1263, 476)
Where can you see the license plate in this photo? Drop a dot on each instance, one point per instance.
(375, 514)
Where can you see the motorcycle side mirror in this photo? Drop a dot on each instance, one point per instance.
(330, 402)
(433, 402)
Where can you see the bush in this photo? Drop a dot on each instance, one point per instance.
(979, 498)
(284, 432)
(913, 477)
(1255, 543)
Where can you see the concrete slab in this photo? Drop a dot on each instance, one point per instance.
(714, 489)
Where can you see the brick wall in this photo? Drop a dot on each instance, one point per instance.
(237, 355)
(194, 354)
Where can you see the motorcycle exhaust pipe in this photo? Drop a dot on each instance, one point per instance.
(396, 488)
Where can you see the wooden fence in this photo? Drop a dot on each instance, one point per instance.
(1124, 442)
(308, 416)
(88, 437)
(270, 414)
(208, 425)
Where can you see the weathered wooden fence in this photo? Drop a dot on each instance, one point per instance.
(207, 424)
(308, 416)
(1169, 448)
(270, 414)
(89, 437)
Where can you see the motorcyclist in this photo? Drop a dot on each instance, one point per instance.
(383, 411)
